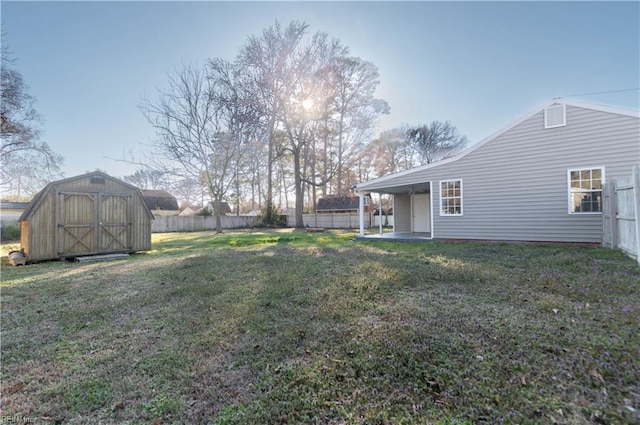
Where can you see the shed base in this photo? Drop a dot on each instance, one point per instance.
(103, 257)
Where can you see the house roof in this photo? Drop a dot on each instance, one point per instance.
(383, 182)
(159, 200)
(224, 207)
(338, 203)
(37, 200)
(5, 205)
(187, 212)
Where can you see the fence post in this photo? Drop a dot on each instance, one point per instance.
(609, 218)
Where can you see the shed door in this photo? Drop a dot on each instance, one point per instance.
(114, 226)
(77, 218)
(93, 223)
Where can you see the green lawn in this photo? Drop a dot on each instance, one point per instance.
(290, 327)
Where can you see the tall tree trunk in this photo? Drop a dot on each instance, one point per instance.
(279, 186)
(284, 185)
(299, 188)
(217, 206)
(313, 173)
(325, 169)
(340, 141)
(269, 198)
(270, 160)
(259, 190)
(237, 193)
(253, 190)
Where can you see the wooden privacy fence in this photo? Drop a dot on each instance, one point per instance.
(331, 221)
(621, 214)
(196, 223)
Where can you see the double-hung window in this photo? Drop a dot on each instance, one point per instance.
(585, 190)
(451, 197)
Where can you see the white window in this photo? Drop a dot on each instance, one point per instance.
(585, 190)
(555, 116)
(451, 197)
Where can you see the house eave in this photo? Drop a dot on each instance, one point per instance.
(380, 184)
(337, 210)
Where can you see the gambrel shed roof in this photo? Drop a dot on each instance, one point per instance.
(95, 176)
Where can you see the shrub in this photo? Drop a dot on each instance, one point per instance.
(10, 231)
(272, 218)
(204, 212)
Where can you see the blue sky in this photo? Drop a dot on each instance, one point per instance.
(478, 64)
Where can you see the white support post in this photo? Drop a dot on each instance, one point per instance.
(380, 212)
(361, 211)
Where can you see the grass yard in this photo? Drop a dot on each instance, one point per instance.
(290, 327)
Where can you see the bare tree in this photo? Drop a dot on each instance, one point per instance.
(436, 141)
(354, 81)
(303, 105)
(156, 172)
(300, 117)
(233, 92)
(148, 178)
(268, 59)
(189, 123)
(390, 152)
(23, 176)
(285, 66)
(23, 155)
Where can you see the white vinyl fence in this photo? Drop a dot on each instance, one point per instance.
(196, 223)
(621, 214)
(387, 220)
(331, 221)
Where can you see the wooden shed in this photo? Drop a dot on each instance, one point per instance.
(85, 215)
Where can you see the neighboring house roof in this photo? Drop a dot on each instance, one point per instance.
(35, 202)
(224, 207)
(338, 203)
(4, 205)
(188, 211)
(387, 181)
(159, 200)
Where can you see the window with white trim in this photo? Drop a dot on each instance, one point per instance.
(451, 197)
(585, 190)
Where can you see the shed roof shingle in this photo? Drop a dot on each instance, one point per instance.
(338, 203)
(159, 200)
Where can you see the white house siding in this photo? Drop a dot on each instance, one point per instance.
(402, 212)
(515, 185)
(10, 216)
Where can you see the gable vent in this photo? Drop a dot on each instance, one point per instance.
(555, 116)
